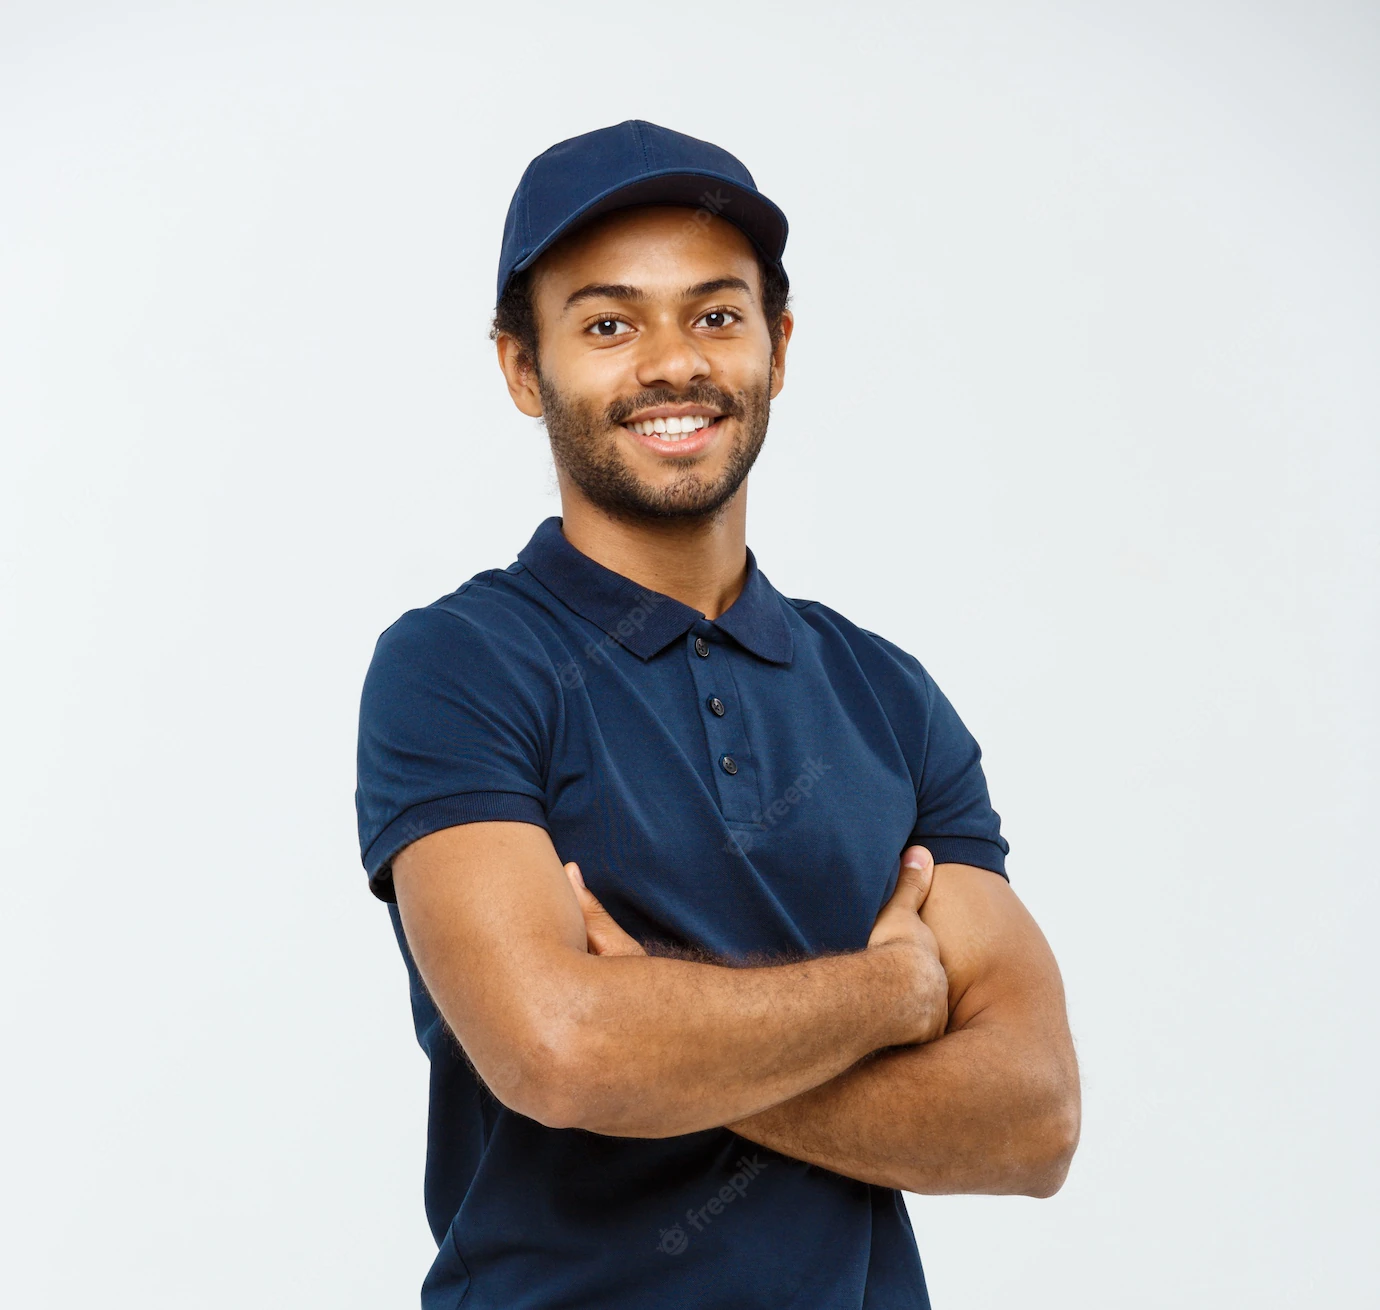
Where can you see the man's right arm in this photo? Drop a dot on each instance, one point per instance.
(638, 1046)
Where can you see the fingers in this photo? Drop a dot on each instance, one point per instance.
(916, 876)
(589, 903)
(604, 935)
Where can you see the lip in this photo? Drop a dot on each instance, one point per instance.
(689, 444)
(674, 411)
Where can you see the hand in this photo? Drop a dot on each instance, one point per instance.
(603, 935)
(899, 926)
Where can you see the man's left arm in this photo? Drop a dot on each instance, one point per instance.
(993, 1105)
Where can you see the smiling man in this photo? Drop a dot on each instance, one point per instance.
(701, 894)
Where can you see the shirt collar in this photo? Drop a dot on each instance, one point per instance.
(645, 621)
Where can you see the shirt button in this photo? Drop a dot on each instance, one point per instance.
(701, 648)
(717, 706)
(728, 764)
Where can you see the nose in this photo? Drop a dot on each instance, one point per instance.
(670, 356)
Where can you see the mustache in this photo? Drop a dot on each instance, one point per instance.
(698, 393)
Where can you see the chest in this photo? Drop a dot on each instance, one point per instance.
(720, 801)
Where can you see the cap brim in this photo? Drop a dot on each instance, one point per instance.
(705, 192)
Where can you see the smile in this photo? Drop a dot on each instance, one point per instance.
(673, 428)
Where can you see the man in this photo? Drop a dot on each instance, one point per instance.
(700, 891)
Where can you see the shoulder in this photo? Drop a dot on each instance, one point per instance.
(880, 659)
(481, 631)
(490, 609)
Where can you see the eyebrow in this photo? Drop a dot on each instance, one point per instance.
(604, 291)
(717, 284)
(621, 291)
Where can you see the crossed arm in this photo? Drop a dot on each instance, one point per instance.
(991, 1106)
(876, 1064)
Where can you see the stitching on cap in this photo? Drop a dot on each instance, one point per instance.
(641, 143)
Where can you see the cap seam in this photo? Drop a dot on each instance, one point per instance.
(641, 142)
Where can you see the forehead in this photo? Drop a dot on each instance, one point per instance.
(657, 248)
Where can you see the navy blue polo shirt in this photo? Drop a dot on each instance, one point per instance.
(744, 786)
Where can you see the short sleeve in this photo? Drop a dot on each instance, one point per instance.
(955, 821)
(451, 730)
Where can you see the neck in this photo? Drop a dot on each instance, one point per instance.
(699, 562)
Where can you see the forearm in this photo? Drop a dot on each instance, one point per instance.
(988, 1108)
(579, 1033)
(654, 1047)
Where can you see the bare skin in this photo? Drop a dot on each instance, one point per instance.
(938, 1059)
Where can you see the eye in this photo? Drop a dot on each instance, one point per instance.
(717, 318)
(608, 327)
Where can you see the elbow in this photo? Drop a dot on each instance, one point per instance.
(572, 1078)
(1045, 1176)
(562, 1066)
(557, 1062)
(1051, 1144)
(541, 1075)
(538, 1054)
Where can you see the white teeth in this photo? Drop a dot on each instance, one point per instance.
(673, 429)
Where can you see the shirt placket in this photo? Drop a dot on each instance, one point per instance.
(730, 752)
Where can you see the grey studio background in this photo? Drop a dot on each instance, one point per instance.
(1081, 409)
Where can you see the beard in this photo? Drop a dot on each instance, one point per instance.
(585, 445)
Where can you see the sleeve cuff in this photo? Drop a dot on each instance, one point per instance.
(446, 812)
(977, 851)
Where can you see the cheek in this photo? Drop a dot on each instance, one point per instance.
(592, 379)
(599, 377)
(741, 365)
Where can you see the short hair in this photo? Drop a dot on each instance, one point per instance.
(516, 316)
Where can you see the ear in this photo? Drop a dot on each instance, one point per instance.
(778, 354)
(520, 375)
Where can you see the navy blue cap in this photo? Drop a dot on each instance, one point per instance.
(634, 163)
